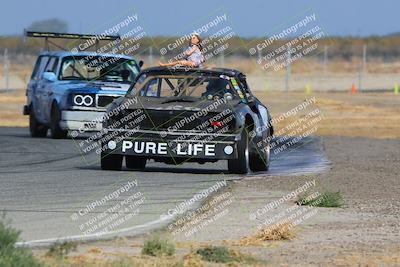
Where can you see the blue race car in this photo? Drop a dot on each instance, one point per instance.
(71, 90)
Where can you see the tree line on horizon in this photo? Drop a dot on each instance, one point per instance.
(346, 48)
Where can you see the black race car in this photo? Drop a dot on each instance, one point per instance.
(176, 115)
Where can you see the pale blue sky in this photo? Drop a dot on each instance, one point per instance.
(248, 18)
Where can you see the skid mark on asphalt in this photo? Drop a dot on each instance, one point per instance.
(303, 157)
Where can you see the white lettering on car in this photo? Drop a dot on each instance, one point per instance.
(150, 146)
(138, 150)
(197, 148)
(179, 150)
(209, 150)
(161, 148)
(126, 145)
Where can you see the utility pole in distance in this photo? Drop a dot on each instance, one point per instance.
(364, 62)
(288, 68)
(5, 69)
(363, 67)
(325, 58)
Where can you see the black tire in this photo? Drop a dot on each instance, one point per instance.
(111, 162)
(36, 129)
(241, 164)
(135, 163)
(259, 159)
(55, 131)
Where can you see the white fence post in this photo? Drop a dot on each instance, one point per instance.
(151, 56)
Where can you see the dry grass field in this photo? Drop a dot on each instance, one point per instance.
(374, 115)
(11, 104)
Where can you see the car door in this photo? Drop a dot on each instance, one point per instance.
(35, 87)
(48, 89)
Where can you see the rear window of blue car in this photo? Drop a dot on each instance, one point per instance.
(43, 64)
(51, 65)
(39, 67)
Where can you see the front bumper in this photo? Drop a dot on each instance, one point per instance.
(153, 144)
(82, 121)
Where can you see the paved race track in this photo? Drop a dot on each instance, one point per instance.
(46, 186)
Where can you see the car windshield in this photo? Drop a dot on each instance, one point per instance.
(186, 86)
(98, 68)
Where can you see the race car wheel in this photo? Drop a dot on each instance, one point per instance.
(241, 164)
(36, 128)
(111, 162)
(135, 163)
(55, 131)
(259, 160)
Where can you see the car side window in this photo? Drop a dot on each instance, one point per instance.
(151, 89)
(52, 65)
(39, 67)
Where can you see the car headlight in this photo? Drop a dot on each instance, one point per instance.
(83, 100)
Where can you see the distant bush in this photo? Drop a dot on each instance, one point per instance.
(158, 246)
(215, 254)
(325, 200)
(49, 25)
(61, 250)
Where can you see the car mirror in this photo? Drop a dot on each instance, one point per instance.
(251, 100)
(49, 76)
(141, 63)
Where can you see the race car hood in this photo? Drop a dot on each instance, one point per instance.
(182, 103)
(180, 113)
(94, 87)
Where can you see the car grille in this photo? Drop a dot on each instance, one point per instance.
(104, 100)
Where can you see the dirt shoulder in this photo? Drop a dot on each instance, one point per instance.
(364, 231)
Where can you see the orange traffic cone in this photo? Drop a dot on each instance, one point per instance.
(353, 89)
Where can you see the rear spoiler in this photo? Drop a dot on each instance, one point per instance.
(76, 36)
(69, 35)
